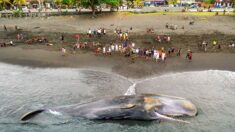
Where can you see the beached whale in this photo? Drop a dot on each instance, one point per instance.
(137, 107)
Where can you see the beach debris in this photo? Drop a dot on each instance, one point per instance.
(171, 26)
(191, 23)
(49, 44)
(7, 44)
(37, 40)
(150, 30)
(36, 27)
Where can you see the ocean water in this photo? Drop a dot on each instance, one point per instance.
(24, 89)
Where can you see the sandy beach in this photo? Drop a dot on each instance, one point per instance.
(79, 24)
(117, 64)
(209, 28)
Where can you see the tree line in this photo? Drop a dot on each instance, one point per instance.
(91, 4)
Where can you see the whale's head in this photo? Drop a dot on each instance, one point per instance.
(168, 107)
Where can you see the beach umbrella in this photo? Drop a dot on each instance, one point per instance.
(77, 36)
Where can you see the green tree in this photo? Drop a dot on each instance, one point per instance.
(94, 3)
(58, 2)
(130, 3)
(3, 3)
(66, 2)
(69, 2)
(234, 5)
(209, 1)
(19, 2)
(112, 3)
(172, 2)
(90, 4)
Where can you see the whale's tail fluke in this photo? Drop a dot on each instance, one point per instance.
(31, 114)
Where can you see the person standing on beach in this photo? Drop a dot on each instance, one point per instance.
(189, 55)
(163, 56)
(104, 51)
(63, 50)
(89, 32)
(5, 28)
(16, 28)
(112, 47)
(204, 45)
(62, 37)
(104, 31)
(214, 44)
(18, 36)
(179, 52)
(168, 39)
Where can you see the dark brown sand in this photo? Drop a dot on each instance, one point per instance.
(207, 28)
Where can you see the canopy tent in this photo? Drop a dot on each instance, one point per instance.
(154, 2)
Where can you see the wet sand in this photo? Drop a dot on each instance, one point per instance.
(117, 64)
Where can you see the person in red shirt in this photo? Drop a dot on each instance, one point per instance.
(190, 56)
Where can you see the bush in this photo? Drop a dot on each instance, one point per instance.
(64, 13)
(1, 8)
(209, 1)
(17, 13)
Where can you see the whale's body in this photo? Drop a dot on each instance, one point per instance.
(138, 107)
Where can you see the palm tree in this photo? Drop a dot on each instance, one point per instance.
(19, 2)
(58, 2)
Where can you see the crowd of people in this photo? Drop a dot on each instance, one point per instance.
(130, 49)
(123, 45)
(96, 32)
(163, 38)
(126, 47)
(204, 45)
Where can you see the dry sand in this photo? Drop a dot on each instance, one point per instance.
(80, 24)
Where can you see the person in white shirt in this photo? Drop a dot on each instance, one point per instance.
(109, 51)
(137, 51)
(89, 32)
(112, 47)
(63, 50)
(154, 54)
(157, 56)
(163, 56)
(133, 45)
(116, 47)
(104, 50)
(168, 38)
